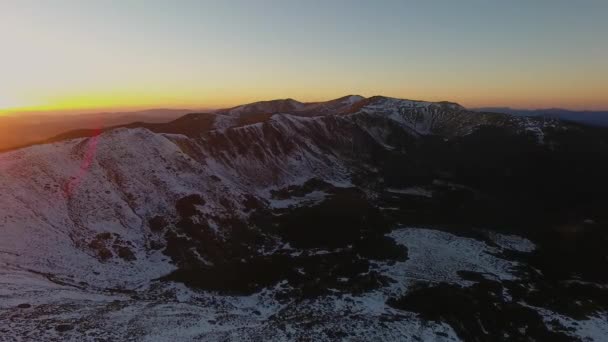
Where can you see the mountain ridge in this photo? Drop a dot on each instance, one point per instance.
(588, 117)
(261, 226)
(422, 116)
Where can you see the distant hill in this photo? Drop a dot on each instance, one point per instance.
(593, 118)
(24, 129)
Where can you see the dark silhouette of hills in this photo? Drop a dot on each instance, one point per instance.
(25, 129)
(587, 117)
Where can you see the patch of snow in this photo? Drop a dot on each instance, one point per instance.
(436, 256)
(594, 328)
(308, 199)
(512, 242)
(414, 191)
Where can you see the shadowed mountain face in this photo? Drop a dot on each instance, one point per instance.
(397, 219)
(592, 118)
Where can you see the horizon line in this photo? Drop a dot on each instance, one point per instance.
(40, 110)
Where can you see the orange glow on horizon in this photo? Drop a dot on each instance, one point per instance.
(84, 56)
(133, 102)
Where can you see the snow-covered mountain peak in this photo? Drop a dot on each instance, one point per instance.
(442, 118)
(388, 102)
(351, 99)
(264, 107)
(342, 105)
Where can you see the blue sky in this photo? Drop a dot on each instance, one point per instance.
(80, 54)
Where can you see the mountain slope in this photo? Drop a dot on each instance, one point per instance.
(262, 225)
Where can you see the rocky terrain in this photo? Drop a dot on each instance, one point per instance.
(353, 219)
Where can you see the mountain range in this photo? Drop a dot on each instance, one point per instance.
(587, 117)
(354, 219)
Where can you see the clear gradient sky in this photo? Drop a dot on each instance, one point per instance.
(85, 55)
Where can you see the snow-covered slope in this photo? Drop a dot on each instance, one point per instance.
(41, 308)
(264, 107)
(439, 118)
(292, 106)
(70, 192)
(213, 227)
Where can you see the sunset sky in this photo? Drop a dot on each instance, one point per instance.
(84, 55)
